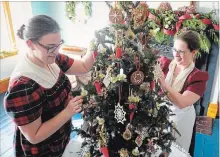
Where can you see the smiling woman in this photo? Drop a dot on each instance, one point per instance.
(37, 99)
(184, 83)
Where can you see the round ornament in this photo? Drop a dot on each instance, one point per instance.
(137, 78)
(116, 16)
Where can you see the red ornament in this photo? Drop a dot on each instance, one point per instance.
(118, 52)
(216, 26)
(169, 32)
(104, 151)
(98, 87)
(95, 54)
(152, 85)
(131, 107)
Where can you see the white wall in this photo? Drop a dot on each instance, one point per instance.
(20, 12)
(80, 34)
(174, 5)
(208, 6)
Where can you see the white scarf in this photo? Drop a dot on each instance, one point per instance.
(181, 78)
(43, 77)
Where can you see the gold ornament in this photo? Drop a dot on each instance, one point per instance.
(127, 134)
(135, 152)
(123, 152)
(87, 155)
(139, 14)
(145, 86)
(130, 34)
(157, 72)
(101, 121)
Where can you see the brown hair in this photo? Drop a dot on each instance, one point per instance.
(37, 27)
(191, 38)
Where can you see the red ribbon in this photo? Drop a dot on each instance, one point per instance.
(216, 27)
(206, 21)
(169, 32)
(98, 87)
(104, 151)
(184, 17)
(181, 18)
(132, 106)
(118, 52)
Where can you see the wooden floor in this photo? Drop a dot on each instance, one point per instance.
(6, 132)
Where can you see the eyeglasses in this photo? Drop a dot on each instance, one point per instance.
(178, 51)
(51, 49)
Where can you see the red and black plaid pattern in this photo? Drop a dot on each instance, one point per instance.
(63, 62)
(26, 100)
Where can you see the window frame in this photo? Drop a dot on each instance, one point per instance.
(9, 25)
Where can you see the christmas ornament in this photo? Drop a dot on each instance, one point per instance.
(104, 151)
(139, 15)
(150, 146)
(107, 81)
(123, 152)
(152, 85)
(98, 87)
(84, 152)
(135, 152)
(84, 92)
(95, 54)
(158, 73)
(87, 155)
(119, 114)
(164, 6)
(143, 132)
(138, 76)
(188, 9)
(101, 121)
(118, 52)
(132, 107)
(127, 134)
(116, 16)
(138, 141)
(134, 99)
(130, 34)
(145, 86)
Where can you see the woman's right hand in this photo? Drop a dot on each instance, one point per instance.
(74, 105)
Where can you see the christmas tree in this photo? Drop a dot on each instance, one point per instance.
(124, 110)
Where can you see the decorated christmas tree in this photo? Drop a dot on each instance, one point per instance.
(125, 111)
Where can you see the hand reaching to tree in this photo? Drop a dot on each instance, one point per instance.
(74, 105)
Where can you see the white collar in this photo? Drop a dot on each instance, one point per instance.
(40, 75)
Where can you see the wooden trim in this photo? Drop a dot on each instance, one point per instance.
(4, 85)
(9, 54)
(192, 3)
(8, 18)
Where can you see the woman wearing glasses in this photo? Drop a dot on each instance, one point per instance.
(184, 83)
(38, 98)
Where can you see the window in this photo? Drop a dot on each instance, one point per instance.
(8, 44)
